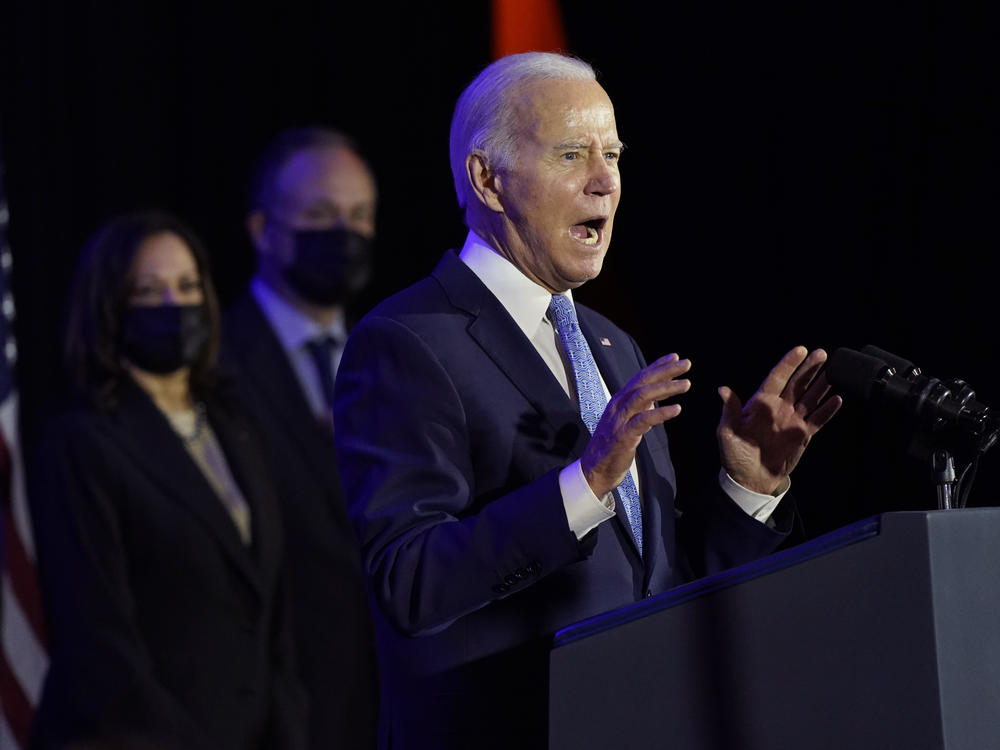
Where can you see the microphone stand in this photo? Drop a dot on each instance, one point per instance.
(944, 415)
(943, 467)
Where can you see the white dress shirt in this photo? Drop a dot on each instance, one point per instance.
(527, 303)
(294, 330)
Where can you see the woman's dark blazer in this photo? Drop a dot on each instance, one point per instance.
(166, 631)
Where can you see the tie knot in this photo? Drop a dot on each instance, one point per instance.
(322, 345)
(561, 312)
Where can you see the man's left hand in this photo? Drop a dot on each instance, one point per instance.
(762, 441)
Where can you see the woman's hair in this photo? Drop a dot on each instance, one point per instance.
(99, 297)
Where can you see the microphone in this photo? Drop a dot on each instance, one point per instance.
(903, 367)
(946, 409)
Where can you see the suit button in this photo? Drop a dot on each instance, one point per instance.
(648, 593)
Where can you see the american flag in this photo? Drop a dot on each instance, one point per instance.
(23, 654)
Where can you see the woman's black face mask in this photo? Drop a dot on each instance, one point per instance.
(164, 338)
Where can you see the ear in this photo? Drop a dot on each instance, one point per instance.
(485, 181)
(256, 223)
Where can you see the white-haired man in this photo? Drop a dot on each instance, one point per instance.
(495, 496)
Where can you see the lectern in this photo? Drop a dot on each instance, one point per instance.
(884, 634)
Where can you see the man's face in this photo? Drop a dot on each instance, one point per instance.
(319, 188)
(322, 188)
(559, 198)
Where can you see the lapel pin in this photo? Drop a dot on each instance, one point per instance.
(605, 341)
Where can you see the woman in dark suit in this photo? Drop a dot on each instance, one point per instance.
(158, 529)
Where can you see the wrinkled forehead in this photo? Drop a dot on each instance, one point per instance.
(562, 109)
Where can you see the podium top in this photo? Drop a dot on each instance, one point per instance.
(821, 545)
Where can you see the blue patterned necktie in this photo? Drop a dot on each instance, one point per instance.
(590, 394)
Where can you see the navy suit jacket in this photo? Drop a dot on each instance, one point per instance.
(334, 638)
(451, 432)
(166, 630)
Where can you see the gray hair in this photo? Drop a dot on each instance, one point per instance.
(484, 116)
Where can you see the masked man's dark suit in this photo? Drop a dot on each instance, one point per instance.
(451, 433)
(166, 630)
(333, 628)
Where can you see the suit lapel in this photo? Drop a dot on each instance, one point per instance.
(144, 432)
(244, 462)
(264, 366)
(500, 338)
(606, 351)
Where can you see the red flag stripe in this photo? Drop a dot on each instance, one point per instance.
(22, 576)
(16, 708)
(26, 656)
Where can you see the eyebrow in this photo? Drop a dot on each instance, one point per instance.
(147, 276)
(584, 144)
(328, 206)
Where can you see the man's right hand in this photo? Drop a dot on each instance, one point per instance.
(630, 414)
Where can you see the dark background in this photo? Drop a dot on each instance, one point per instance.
(814, 173)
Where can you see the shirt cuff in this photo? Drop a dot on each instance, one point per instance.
(585, 511)
(754, 504)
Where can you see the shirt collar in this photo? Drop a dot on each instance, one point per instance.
(292, 327)
(526, 301)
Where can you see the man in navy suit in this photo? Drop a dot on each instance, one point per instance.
(489, 513)
(312, 218)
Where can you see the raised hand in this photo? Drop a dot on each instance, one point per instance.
(629, 415)
(762, 441)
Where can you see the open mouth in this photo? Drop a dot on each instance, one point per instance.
(589, 232)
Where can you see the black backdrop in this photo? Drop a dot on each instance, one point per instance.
(816, 173)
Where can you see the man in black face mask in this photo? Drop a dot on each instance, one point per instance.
(311, 220)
